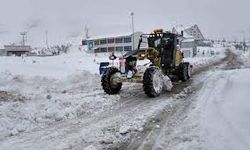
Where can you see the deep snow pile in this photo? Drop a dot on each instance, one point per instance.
(35, 102)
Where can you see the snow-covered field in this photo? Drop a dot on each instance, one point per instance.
(73, 63)
(46, 98)
(51, 67)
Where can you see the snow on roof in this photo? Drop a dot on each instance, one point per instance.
(206, 41)
(110, 36)
(186, 35)
(188, 40)
(180, 28)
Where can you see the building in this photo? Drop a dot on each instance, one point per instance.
(193, 37)
(2, 52)
(117, 43)
(17, 50)
(189, 47)
(195, 32)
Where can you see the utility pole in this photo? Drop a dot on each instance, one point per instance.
(86, 29)
(24, 37)
(244, 41)
(133, 31)
(46, 39)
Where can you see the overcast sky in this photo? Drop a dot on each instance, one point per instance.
(67, 18)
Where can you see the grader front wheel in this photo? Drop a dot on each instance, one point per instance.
(152, 82)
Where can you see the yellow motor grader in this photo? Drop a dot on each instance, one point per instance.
(166, 65)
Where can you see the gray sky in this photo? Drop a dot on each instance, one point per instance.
(67, 18)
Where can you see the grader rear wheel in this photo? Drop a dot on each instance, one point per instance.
(108, 84)
(184, 71)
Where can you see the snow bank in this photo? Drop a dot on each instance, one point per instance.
(37, 102)
(245, 56)
(201, 60)
(54, 66)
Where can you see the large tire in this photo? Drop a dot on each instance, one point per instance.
(189, 70)
(107, 85)
(152, 82)
(184, 71)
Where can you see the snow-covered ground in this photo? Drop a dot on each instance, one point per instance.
(49, 97)
(225, 118)
(219, 118)
(52, 67)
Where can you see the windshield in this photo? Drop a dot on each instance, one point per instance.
(157, 42)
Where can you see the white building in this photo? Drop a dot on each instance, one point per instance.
(189, 47)
(195, 32)
(118, 43)
(192, 38)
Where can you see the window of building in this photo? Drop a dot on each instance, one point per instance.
(111, 49)
(119, 48)
(84, 42)
(103, 41)
(119, 40)
(111, 41)
(127, 48)
(97, 42)
(103, 49)
(97, 50)
(127, 39)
